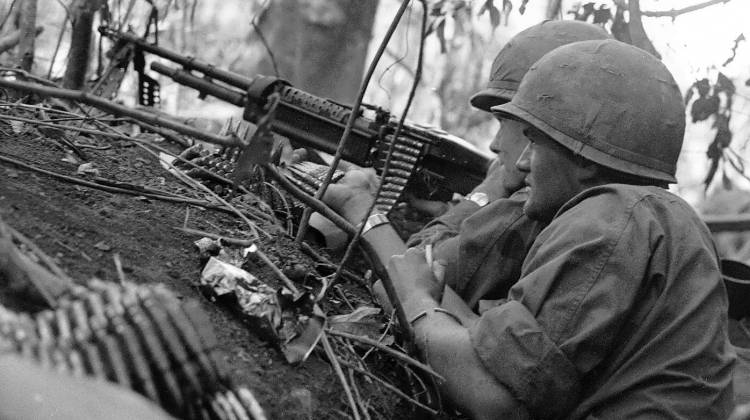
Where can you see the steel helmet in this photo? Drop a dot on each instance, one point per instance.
(523, 50)
(610, 102)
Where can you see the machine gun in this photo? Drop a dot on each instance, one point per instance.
(428, 161)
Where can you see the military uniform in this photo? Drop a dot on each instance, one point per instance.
(484, 260)
(620, 313)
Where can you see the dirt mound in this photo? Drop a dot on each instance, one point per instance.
(83, 228)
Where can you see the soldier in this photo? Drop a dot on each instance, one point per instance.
(620, 311)
(490, 220)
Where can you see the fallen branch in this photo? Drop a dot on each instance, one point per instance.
(26, 75)
(225, 239)
(380, 346)
(340, 373)
(196, 184)
(116, 190)
(320, 259)
(389, 387)
(43, 257)
(310, 201)
(287, 282)
(174, 138)
(120, 110)
(24, 276)
(676, 12)
(357, 396)
(253, 227)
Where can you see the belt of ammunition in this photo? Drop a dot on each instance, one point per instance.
(139, 337)
(309, 176)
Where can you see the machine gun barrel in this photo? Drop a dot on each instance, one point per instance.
(444, 164)
(202, 85)
(187, 62)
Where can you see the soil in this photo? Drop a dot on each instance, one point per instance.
(82, 229)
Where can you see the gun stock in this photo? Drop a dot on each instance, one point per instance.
(430, 162)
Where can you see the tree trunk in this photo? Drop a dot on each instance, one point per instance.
(320, 45)
(82, 20)
(637, 32)
(28, 35)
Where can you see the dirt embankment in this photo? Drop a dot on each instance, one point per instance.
(83, 228)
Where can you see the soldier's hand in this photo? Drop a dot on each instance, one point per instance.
(353, 195)
(492, 185)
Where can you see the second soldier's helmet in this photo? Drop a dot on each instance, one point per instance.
(609, 102)
(523, 50)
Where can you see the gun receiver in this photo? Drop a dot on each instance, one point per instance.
(431, 162)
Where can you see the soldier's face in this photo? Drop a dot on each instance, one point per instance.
(552, 173)
(509, 142)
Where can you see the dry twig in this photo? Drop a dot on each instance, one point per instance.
(287, 282)
(340, 373)
(352, 117)
(389, 387)
(676, 12)
(120, 110)
(380, 346)
(225, 239)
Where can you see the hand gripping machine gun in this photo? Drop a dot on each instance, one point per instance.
(429, 162)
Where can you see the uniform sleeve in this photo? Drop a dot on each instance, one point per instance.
(444, 227)
(562, 317)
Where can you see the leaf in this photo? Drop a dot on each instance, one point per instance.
(485, 6)
(489, 5)
(602, 15)
(494, 16)
(361, 321)
(723, 84)
(522, 9)
(87, 169)
(103, 246)
(704, 107)
(19, 127)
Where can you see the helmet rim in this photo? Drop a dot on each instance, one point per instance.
(587, 150)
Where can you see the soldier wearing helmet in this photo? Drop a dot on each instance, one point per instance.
(489, 221)
(620, 311)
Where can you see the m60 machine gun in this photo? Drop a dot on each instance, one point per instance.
(429, 162)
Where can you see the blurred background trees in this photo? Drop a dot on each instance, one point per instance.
(323, 46)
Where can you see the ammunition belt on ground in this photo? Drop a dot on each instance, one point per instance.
(139, 337)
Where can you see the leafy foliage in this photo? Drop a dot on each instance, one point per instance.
(715, 100)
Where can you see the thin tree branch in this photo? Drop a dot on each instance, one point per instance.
(340, 373)
(120, 110)
(380, 346)
(9, 14)
(389, 387)
(676, 12)
(352, 117)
